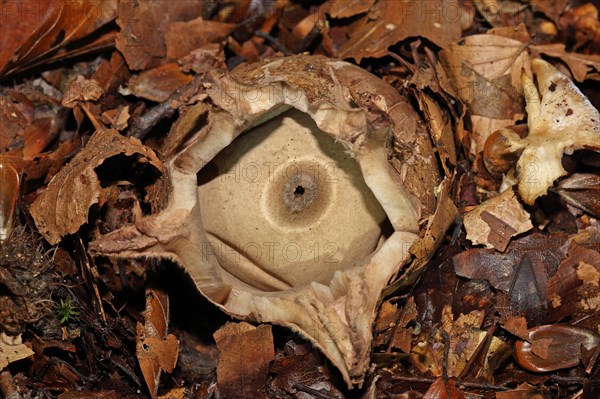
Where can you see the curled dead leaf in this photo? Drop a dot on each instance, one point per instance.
(64, 206)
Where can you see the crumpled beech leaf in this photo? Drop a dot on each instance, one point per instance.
(284, 206)
(560, 120)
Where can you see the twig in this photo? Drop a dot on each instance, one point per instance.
(60, 362)
(141, 125)
(274, 42)
(402, 61)
(309, 38)
(313, 392)
(475, 385)
(572, 380)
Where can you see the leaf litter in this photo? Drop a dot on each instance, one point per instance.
(508, 305)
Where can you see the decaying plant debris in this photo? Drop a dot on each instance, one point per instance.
(286, 199)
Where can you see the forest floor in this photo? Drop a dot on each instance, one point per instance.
(502, 302)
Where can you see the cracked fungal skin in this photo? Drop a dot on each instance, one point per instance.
(285, 207)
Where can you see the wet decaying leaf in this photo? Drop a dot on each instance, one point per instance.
(64, 206)
(553, 347)
(498, 269)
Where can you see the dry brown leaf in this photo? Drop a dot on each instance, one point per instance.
(485, 71)
(580, 26)
(175, 393)
(203, 59)
(144, 25)
(441, 127)
(184, 37)
(552, 9)
(63, 207)
(582, 190)
(524, 390)
(15, 116)
(403, 335)
(465, 338)
(246, 352)
(517, 325)
(495, 221)
(348, 8)
(158, 83)
(588, 274)
(502, 13)
(560, 120)
(567, 276)
(117, 118)
(81, 89)
(582, 66)
(12, 349)
(441, 389)
(386, 316)
(391, 21)
(155, 349)
(54, 25)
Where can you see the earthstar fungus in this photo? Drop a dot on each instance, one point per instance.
(285, 207)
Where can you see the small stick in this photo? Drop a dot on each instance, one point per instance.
(475, 385)
(141, 125)
(313, 392)
(274, 42)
